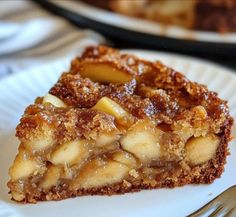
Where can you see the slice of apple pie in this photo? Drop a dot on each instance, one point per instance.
(116, 123)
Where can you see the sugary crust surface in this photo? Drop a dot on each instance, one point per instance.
(155, 91)
(71, 123)
(175, 94)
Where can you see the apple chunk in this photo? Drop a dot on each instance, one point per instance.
(22, 167)
(51, 177)
(201, 149)
(142, 140)
(112, 108)
(125, 158)
(99, 172)
(42, 139)
(106, 139)
(104, 72)
(69, 153)
(49, 98)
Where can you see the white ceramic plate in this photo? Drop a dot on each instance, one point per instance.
(141, 25)
(17, 91)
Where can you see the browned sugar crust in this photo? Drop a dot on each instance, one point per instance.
(175, 94)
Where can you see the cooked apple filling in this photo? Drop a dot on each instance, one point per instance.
(116, 128)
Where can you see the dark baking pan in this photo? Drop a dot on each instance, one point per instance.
(87, 19)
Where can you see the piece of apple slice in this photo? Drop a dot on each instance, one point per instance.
(125, 158)
(99, 172)
(51, 177)
(22, 166)
(105, 139)
(110, 107)
(201, 149)
(104, 73)
(49, 98)
(41, 139)
(69, 153)
(142, 140)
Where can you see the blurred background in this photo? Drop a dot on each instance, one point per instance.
(33, 32)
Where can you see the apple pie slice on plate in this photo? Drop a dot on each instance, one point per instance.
(115, 123)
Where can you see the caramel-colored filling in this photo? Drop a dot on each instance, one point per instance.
(136, 150)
